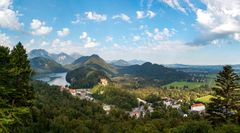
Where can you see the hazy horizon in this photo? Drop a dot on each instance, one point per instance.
(203, 32)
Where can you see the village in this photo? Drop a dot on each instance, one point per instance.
(143, 108)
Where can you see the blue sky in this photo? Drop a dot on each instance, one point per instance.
(160, 31)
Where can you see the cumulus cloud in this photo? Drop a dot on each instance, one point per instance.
(158, 35)
(39, 27)
(88, 41)
(4, 40)
(123, 17)
(9, 17)
(141, 14)
(174, 4)
(96, 17)
(63, 32)
(219, 20)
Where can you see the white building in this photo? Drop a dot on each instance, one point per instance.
(198, 107)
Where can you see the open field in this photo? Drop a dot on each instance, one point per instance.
(193, 85)
(182, 84)
(204, 99)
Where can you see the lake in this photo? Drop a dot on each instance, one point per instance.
(53, 78)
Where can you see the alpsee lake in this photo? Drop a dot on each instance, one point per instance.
(53, 78)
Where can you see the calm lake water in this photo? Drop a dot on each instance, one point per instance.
(53, 78)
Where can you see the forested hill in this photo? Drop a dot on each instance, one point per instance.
(89, 69)
(45, 65)
(154, 71)
(93, 60)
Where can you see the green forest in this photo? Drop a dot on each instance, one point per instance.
(35, 107)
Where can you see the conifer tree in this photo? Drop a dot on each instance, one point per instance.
(20, 72)
(4, 77)
(224, 105)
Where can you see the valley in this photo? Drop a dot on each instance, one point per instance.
(119, 66)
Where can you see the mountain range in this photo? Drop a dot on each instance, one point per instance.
(61, 58)
(86, 71)
(121, 62)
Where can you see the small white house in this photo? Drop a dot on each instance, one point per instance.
(198, 107)
(106, 108)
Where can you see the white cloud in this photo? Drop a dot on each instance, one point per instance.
(84, 35)
(123, 17)
(109, 38)
(63, 32)
(141, 14)
(136, 38)
(151, 14)
(39, 27)
(220, 19)
(155, 52)
(77, 19)
(237, 36)
(88, 41)
(9, 17)
(174, 4)
(158, 35)
(96, 17)
(4, 39)
(191, 5)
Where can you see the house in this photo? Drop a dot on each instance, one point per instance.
(198, 107)
(73, 91)
(104, 81)
(135, 114)
(85, 94)
(106, 108)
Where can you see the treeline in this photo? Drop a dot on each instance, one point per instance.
(60, 112)
(16, 94)
(117, 96)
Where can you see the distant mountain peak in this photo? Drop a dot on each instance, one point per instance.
(147, 64)
(61, 58)
(120, 62)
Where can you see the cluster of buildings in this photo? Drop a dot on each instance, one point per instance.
(81, 93)
(143, 106)
(142, 109)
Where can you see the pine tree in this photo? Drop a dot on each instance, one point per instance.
(6, 91)
(20, 72)
(224, 105)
